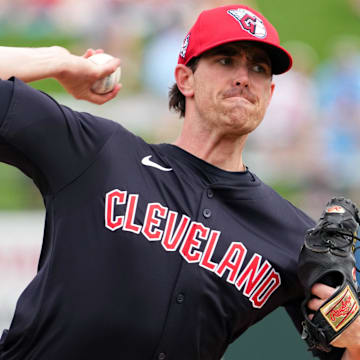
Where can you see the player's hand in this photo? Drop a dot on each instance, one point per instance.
(78, 74)
(350, 338)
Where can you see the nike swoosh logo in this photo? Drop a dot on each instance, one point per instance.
(147, 162)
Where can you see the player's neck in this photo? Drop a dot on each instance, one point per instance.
(224, 152)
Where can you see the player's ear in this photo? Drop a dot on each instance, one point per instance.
(184, 77)
(272, 88)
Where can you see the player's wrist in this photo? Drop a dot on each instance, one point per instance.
(352, 353)
(61, 61)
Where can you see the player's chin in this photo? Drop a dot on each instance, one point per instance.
(242, 122)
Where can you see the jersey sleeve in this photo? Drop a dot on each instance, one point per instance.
(49, 142)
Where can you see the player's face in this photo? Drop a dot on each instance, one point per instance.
(233, 87)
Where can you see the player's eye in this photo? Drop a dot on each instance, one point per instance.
(226, 61)
(258, 68)
(261, 68)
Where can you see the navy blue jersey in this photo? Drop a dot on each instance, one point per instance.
(148, 251)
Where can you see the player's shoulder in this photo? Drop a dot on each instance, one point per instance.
(6, 91)
(287, 208)
(27, 106)
(26, 102)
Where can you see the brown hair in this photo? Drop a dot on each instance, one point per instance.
(176, 98)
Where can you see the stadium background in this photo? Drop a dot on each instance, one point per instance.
(307, 148)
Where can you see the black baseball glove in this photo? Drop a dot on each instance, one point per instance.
(327, 257)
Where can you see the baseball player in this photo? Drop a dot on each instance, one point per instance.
(166, 251)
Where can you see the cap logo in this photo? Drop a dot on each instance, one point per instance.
(185, 46)
(249, 22)
(337, 209)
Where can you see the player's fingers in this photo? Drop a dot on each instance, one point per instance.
(88, 53)
(117, 88)
(314, 304)
(102, 99)
(322, 291)
(96, 99)
(108, 68)
(91, 52)
(109, 96)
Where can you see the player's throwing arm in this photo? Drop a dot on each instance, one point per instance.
(81, 77)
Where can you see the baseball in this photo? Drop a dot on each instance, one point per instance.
(108, 83)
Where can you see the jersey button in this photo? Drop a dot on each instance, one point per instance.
(180, 298)
(210, 193)
(207, 213)
(162, 356)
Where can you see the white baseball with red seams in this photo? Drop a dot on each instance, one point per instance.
(108, 83)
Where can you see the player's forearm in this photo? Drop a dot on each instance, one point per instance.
(30, 64)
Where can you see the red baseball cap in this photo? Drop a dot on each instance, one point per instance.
(226, 24)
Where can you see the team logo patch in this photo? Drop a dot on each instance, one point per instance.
(336, 209)
(185, 46)
(249, 22)
(340, 310)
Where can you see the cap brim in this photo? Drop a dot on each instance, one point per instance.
(281, 60)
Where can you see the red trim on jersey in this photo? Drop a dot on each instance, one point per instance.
(191, 242)
(112, 198)
(151, 222)
(232, 261)
(171, 242)
(130, 215)
(251, 276)
(260, 296)
(209, 250)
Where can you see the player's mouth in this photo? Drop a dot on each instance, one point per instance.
(239, 93)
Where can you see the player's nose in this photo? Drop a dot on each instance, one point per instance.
(241, 76)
